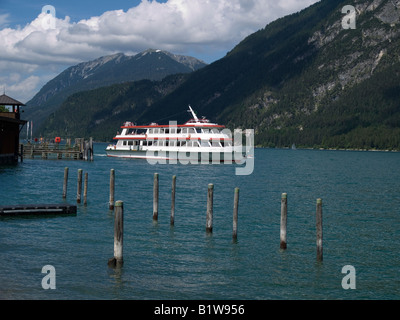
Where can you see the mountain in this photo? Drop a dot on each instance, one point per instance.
(99, 112)
(303, 79)
(118, 68)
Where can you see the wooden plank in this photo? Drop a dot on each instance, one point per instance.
(38, 209)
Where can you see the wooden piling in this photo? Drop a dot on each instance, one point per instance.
(91, 149)
(117, 260)
(79, 188)
(210, 200)
(112, 189)
(173, 200)
(235, 213)
(22, 153)
(319, 229)
(283, 244)
(85, 189)
(155, 197)
(65, 184)
(85, 150)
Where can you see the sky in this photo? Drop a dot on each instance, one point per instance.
(40, 39)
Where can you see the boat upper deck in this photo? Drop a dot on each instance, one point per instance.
(130, 125)
(194, 122)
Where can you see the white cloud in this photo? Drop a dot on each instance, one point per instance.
(18, 87)
(180, 26)
(4, 19)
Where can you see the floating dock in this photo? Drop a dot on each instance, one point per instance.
(51, 151)
(38, 210)
(81, 150)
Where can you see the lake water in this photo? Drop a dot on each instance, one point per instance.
(361, 225)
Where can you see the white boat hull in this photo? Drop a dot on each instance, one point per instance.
(196, 141)
(227, 156)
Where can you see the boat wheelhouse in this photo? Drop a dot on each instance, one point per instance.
(198, 140)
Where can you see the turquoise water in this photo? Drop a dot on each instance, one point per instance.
(361, 221)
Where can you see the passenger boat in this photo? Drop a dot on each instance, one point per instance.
(196, 141)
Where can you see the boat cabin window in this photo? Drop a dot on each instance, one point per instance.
(198, 130)
(147, 143)
(214, 130)
(184, 130)
(205, 143)
(193, 144)
(215, 143)
(156, 130)
(192, 130)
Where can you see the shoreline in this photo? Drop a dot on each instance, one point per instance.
(330, 149)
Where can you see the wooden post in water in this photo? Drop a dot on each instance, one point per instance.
(79, 188)
(65, 185)
(319, 230)
(210, 200)
(155, 197)
(85, 186)
(117, 260)
(235, 213)
(91, 149)
(173, 200)
(22, 153)
(112, 189)
(283, 244)
(85, 150)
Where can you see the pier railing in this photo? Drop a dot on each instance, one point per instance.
(81, 150)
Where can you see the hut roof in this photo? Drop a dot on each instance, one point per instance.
(8, 101)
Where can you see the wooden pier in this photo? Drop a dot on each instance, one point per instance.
(38, 209)
(81, 150)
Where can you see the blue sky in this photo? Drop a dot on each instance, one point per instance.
(24, 11)
(37, 47)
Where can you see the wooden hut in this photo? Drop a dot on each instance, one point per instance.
(10, 127)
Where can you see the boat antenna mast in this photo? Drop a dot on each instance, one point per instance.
(193, 114)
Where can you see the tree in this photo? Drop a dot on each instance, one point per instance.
(3, 109)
